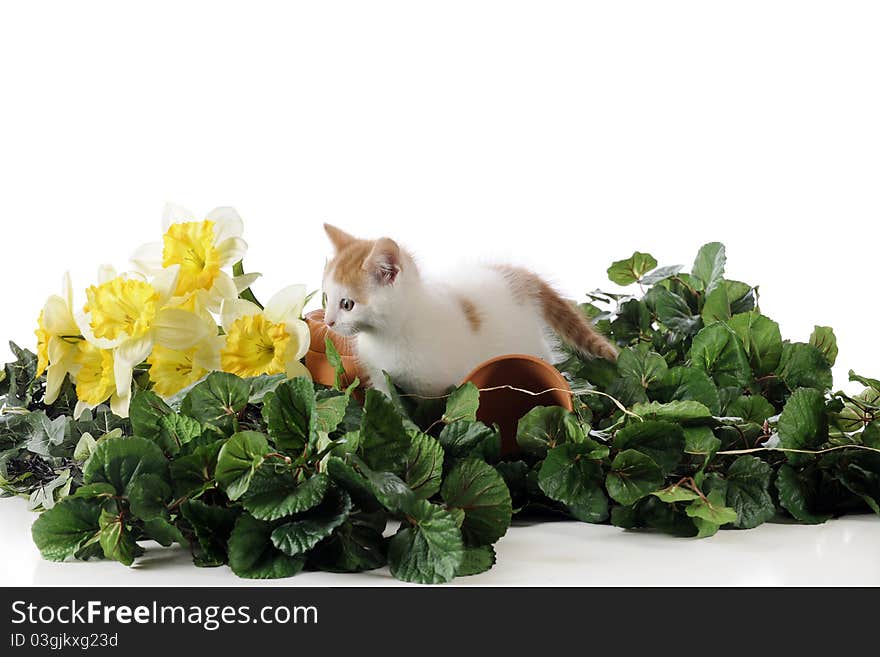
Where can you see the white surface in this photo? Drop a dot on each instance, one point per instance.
(841, 552)
(558, 135)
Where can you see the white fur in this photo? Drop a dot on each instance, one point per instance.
(416, 330)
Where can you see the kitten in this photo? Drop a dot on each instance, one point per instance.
(428, 336)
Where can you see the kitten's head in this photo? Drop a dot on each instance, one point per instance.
(363, 280)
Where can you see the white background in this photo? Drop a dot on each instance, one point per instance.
(558, 135)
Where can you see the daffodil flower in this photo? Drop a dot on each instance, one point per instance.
(127, 315)
(172, 370)
(201, 249)
(268, 341)
(57, 339)
(96, 381)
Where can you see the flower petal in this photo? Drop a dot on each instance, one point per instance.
(175, 214)
(165, 282)
(178, 329)
(231, 251)
(119, 404)
(67, 290)
(148, 258)
(287, 304)
(106, 273)
(128, 355)
(299, 330)
(207, 356)
(295, 369)
(84, 322)
(244, 281)
(227, 224)
(81, 407)
(232, 309)
(57, 317)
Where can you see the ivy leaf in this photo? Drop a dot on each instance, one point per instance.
(252, 554)
(116, 539)
(633, 475)
(625, 272)
(545, 427)
(796, 496)
(717, 351)
(424, 467)
(664, 442)
(708, 268)
(748, 481)
(761, 340)
(117, 461)
(384, 441)
(237, 461)
(212, 526)
(60, 532)
(218, 400)
(476, 488)
(274, 493)
(428, 548)
(290, 414)
(571, 475)
(825, 341)
(476, 560)
(462, 404)
(298, 536)
(45, 435)
(802, 422)
(804, 366)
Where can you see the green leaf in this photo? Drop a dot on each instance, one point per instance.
(716, 307)
(92, 491)
(675, 493)
(709, 266)
(664, 442)
(290, 414)
(462, 404)
(212, 526)
(253, 556)
(148, 496)
(175, 431)
(717, 351)
(625, 272)
(571, 475)
(687, 384)
(865, 381)
(218, 400)
(463, 438)
(761, 340)
(61, 532)
(796, 496)
(45, 435)
(424, 467)
(825, 341)
(145, 412)
(193, 472)
(117, 461)
(116, 539)
(476, 488)
(384, 441)
(428, 548)
(802, 424)
(476, 560)
(661, 274)
(700, 440)
(274, 492)
(354, 547)
(748, 481)
(298, 536)
(262, 385)
(545, 427)
(329, 412)
(355, 484)
(673, 311)
(674, 411)
(754, 409)
(238, 460)
(712, 510)
(633, 475)
(164, 533)
(639, 368)
(804, 366)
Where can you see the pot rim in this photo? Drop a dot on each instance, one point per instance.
(545, 366)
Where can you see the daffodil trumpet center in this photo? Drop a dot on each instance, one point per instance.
(122, 308)
(191, 246)
(255, 346)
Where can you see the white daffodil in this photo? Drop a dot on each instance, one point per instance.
(268, 341)
(127, 315)
(172, 370)
(96, 381)
(201, 249)
(57, 339)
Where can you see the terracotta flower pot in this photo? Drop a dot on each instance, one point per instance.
(504, 406)
(316, 358)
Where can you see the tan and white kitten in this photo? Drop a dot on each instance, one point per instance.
(429, 335)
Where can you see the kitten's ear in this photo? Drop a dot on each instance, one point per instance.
(384, 261)
(339, 238)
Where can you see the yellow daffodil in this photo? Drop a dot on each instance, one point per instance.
(269, 341)
(96, 381)
(129, 315)
(172, 370)
(201, 250)
(57, 339)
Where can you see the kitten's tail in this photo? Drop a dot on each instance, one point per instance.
(562, 315)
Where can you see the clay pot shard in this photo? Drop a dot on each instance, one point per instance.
(316, 358)
(505, 406)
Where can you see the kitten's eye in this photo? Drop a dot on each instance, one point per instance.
(346, 304)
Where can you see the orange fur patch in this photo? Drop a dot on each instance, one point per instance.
(347, 267)
(471, 313)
